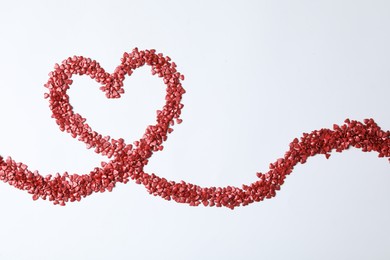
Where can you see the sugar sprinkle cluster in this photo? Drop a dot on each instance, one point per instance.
(127, 161)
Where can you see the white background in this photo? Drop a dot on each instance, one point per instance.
(258, 74)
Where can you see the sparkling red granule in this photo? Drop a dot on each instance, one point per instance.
(128, 161)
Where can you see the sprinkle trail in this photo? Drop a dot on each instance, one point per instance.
(127, 161)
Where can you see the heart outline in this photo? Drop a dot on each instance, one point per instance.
(128, 162)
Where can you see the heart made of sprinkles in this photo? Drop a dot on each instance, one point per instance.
(127, 161)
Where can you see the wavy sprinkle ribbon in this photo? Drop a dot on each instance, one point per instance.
(127, 161)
